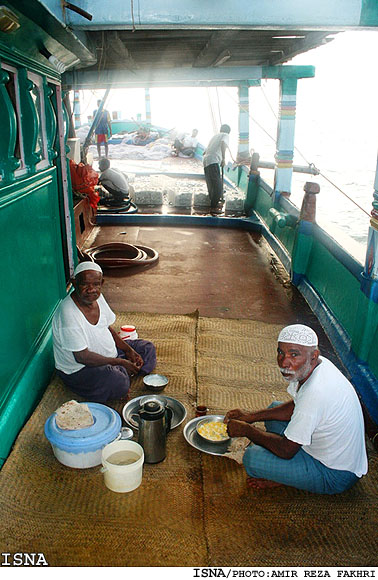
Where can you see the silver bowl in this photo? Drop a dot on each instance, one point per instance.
(209, 419)
(155, 382)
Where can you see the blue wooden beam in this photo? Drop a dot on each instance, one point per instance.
(92, 79)
(286, 14)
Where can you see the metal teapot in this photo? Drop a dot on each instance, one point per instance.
(154, 421)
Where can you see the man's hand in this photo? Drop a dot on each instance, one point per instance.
(237, 414)
(130, 353)
(135, 358)
(238, 428)
(131, 368)
(222, 163)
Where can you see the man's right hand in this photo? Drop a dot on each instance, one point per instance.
(237, 414)
(131, 368)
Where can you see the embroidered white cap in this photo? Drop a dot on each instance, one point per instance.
(87, 266)
(298, 334)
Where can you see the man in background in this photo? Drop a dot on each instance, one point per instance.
(114, 181)
(186, 144)
(213, 159)
(103, 130)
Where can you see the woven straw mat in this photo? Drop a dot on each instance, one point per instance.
(192, 509)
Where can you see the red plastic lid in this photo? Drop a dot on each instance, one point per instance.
(128, 328)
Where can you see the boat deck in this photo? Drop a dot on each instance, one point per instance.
(213, 304)
(220, 272)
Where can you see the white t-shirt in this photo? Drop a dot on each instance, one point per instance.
(72, 332)
(115, 179)
(327, 420)
(214, 152)
(189, 141)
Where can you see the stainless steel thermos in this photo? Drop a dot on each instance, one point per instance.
(154, 421)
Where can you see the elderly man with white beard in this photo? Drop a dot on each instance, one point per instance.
(315, 441)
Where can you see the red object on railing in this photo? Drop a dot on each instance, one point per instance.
(84, 179)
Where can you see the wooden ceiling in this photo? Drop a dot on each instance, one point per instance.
(167, 49)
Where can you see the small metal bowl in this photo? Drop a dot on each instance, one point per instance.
(155, 382)
(209, 419)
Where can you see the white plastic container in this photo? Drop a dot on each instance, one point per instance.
(81, 448)
(128, 332)
(122, 478)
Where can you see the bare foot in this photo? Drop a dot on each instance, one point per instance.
(259, 483)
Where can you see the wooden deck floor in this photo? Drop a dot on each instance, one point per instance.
(223, 273)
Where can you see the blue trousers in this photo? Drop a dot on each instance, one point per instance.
(106, 382)
(301, 471)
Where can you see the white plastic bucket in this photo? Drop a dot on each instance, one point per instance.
(122, 478)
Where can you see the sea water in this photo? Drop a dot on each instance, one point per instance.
(123, 458)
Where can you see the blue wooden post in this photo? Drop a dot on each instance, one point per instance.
(285, 136)
(148, 105)
(304, 233)
(243, 145)
(371, 262)
(76, 109)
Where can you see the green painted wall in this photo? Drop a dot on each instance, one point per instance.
(372, 359)
(31, 256)
(264, 202)
(32, 266)
(335, 284)
(33, 278)
(327, 272)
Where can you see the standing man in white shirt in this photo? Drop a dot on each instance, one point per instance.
(214, 158)
(314, 442)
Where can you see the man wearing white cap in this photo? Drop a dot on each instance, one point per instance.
(90, 357)
(315, 441)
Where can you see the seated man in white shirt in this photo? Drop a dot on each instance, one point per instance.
(185, 145)
(114, 181)
(314, 442)
(90, 357)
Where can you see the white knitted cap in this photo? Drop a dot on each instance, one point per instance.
(87, 266)
(298, 334)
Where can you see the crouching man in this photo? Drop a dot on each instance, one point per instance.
(314, 442)
(90, 357)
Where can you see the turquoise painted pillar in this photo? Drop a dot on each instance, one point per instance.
(76, 109)
(371, 262)
(243, 145)
(285, 136)
(304, 233)
(253, 184)
(148, 105)
(366, 327)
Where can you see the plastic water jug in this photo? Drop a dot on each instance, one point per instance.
(128, 332)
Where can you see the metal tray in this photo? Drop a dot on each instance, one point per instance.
(133, 406)
(195, 440)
